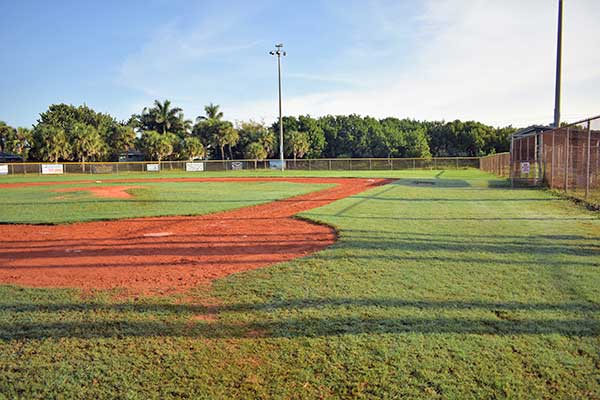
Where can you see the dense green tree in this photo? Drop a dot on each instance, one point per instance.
(64, 116)
(86, 142)
(225, 135)
(254, 151)
(316, 136)
(329, 136)
(121, 139)
(296, 144)
(157, 146)
(254, 132)
(192, 148)
(19, 142)
(5, 133)
(50, 143)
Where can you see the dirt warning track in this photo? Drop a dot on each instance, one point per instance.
(169, 254)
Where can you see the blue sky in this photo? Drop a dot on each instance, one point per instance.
(432, 59)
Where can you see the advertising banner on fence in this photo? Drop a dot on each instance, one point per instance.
(153, 167)
(194, 167)
(52, 169)
(525, 168)
(3, 169)
(237, 165)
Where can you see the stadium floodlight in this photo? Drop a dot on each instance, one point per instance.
(278, 52)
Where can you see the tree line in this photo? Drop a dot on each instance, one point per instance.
(162, 132)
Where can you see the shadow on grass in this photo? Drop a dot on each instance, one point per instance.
(416, 247)
(499, 322)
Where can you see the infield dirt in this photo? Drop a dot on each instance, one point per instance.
(165, 255)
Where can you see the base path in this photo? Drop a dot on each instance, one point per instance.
(169, 254)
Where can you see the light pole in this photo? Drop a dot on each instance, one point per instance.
(558, 66)
(278, 52)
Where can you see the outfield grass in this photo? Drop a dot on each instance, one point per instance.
(443, 285)
(462, 173)
(41, 204)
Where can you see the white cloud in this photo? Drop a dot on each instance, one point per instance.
(486, 60)
(474, 59)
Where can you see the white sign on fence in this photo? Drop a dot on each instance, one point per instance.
(237, 165)
(153, 167)
(52, 169)
(194, 166)
(525, 167)
(3, 169)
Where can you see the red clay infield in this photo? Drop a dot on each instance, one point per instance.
(169, 254)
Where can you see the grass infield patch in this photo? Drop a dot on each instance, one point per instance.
(42, 204)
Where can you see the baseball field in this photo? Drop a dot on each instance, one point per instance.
(347, 284)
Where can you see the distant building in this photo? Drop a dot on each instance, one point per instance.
(10, 158)
(130, 156)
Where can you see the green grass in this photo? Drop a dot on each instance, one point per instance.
(440, 287)
(40, 204)
(467, 173)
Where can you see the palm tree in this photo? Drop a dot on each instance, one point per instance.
(212, 113)
(185, 125)
(19, 142)
(297, 144)
(166, 116)
(86, 143)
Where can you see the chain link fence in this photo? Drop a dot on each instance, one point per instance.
(565, 159)
(333, 164)
(571, 159)
(497, 164)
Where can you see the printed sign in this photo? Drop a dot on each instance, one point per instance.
(525, 167)
(275, 164)
(52, 169)
(153, 167)
(237, 165)
(3, 169)
(194, 166)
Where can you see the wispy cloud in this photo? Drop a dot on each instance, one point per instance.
(436, 59)
(473, 59)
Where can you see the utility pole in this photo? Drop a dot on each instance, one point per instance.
(278, 52)
(558, 66)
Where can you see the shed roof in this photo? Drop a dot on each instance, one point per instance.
(530, 131)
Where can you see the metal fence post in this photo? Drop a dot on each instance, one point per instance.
(589, 153)
(511, 160)
(553, 161)
(329, 164)
(567, 161)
